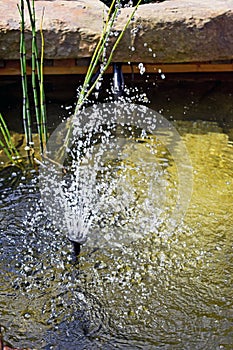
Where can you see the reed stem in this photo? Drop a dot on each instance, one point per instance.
(96, 56)
(86, 90)
(34, 82)
(26, 107)
(106, 65)
(9, 148)
(42, 94)
(37, 67)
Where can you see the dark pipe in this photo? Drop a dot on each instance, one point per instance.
(118, 80)
(118, 90)
(77, 248)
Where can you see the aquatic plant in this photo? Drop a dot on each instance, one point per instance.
(37, 80)
(6, 142)
(100, 54)
(23, 66)
(37, 77)
(99, 57)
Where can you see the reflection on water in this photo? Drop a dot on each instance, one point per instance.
(165, 291)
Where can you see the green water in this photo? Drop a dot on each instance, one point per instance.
(167, 290)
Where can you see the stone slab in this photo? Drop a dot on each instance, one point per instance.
(71, 29)
(174, 31)
(179, 31)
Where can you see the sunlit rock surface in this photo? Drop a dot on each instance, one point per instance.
(71, 28)
(182, 31)
(170, 31)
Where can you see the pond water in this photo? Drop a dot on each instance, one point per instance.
(168, 289)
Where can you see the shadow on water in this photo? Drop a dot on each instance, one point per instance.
(166, 290)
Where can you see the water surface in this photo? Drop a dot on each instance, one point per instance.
(170, 289)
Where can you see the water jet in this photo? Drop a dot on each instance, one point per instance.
(161, 275)
(173, 280)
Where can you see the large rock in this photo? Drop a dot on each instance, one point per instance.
(171, 31)
(71, 29)
(181, 31)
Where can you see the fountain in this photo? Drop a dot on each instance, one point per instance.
(149, 201)
(158, 277)
(112, 184)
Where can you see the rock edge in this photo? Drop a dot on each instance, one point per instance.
(174, 31)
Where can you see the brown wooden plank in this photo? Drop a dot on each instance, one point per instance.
(65, 70)
(69, 62)
(63, 67)
(188, 68)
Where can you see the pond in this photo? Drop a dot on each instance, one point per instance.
(171, 287)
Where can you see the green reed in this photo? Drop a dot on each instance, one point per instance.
(36, 77)
(6, 144)
(23, 66)
(99, 50)
(99, 56)
(113, 13)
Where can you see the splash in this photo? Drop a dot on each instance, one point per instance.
(124, 171)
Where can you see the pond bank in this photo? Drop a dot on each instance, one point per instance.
(177, 31)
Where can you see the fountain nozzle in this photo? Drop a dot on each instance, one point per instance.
(118, 80)
(77, 247)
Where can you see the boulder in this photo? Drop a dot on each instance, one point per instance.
(179, 31)
(173, 31)
(71, 29)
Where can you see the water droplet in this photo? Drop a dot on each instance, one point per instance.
(142, 68)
